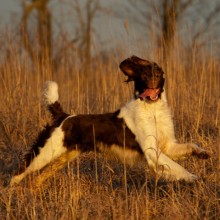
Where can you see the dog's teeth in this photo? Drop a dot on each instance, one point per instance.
(154, 97)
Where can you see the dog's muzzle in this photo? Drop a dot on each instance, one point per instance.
(152, 94)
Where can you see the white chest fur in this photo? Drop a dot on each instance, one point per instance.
(149, 121)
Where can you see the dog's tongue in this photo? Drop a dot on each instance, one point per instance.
(151, 93)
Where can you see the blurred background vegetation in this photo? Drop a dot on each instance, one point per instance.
(96, 28)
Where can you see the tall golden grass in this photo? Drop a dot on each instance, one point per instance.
(94, 187)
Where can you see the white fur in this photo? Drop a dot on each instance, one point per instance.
(153, 127)
(50, 92)
(52, 149)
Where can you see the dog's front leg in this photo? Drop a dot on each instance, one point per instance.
(162, 164)
(182, 151)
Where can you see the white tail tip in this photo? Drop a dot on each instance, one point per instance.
(50, 92)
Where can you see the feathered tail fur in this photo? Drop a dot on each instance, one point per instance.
(50, 97)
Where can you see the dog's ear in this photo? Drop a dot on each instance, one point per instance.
(132, 66)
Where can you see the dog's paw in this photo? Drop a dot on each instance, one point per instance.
(16, 180)
(203, 154)
(199, 152)
(190, 178)
(180, 175)
(185, 176)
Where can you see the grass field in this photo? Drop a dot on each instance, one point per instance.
(94, 187)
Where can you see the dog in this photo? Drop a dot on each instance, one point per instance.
(141, 128)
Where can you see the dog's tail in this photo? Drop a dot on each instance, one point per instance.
(50, 97)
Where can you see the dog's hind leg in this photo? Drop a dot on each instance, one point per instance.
(51, 150)
(55, 166)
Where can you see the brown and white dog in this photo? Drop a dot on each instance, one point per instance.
(142, 127)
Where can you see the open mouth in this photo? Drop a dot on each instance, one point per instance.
(152, 94)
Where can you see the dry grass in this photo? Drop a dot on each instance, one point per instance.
(94, 187)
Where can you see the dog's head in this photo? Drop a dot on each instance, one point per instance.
(147, 76)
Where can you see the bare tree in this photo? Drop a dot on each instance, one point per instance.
(44, 30)
(166, 16)
(84, 12)
(85, 15)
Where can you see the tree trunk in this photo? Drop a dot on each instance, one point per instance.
(44, 33)
(170, 16)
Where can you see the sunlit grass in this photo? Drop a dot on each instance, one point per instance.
(95, 187)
